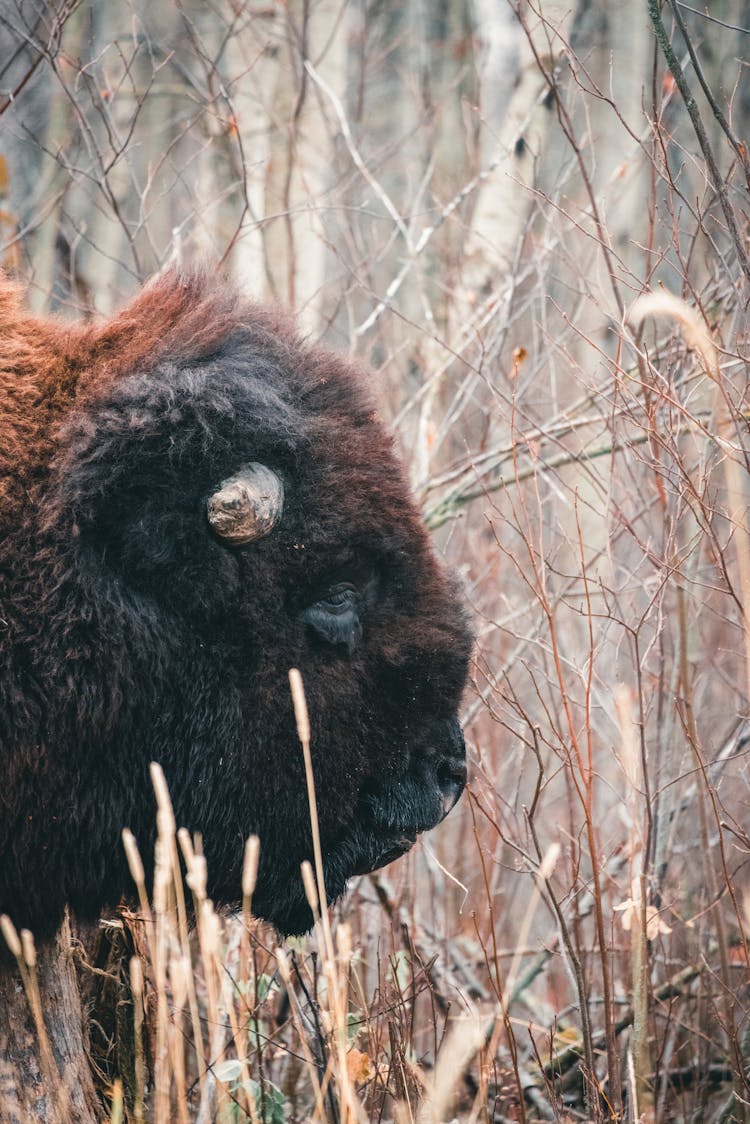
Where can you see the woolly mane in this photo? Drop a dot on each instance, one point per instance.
(130, 632)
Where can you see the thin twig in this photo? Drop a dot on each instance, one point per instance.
(692, 109)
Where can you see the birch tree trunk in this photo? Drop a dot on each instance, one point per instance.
(516, 116)
(300, 156)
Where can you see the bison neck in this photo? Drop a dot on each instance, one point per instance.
(38, 1085)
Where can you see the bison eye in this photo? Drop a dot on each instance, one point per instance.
(340, 598)
(335, 616)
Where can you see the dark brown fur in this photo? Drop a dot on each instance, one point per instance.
(128, 632)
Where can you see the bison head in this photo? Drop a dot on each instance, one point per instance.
(196, 500)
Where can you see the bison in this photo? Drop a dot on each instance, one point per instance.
(194, 500)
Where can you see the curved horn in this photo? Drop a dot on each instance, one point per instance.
(247, 506)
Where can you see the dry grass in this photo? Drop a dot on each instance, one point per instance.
(572, 943)
(217, 1022)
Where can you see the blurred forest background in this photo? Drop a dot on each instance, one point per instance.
(469, 196)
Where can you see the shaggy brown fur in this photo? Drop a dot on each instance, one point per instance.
(130, 633)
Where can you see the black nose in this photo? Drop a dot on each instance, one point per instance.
(451, 769)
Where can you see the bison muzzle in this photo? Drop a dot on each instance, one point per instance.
(194, 500)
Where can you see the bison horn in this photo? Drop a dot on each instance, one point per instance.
(247, 506)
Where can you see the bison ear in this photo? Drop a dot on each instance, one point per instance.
(246, 506)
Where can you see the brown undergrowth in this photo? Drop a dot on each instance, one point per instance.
(572, 944)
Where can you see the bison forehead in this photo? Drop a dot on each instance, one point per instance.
(154, 445)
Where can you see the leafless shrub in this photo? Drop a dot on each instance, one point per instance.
(470, 197)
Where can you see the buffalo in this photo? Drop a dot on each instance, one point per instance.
(194, 500)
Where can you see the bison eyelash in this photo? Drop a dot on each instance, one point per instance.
(340, 597)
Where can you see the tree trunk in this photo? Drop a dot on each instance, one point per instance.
(44, 1073)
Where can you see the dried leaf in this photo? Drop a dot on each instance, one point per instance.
(519, 354)
(630, 910)
(359, 1067)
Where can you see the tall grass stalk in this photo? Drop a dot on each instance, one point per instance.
(639, 1062)
(334, 971)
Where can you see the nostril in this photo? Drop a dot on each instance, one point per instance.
(451, 778)
(451, 775)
